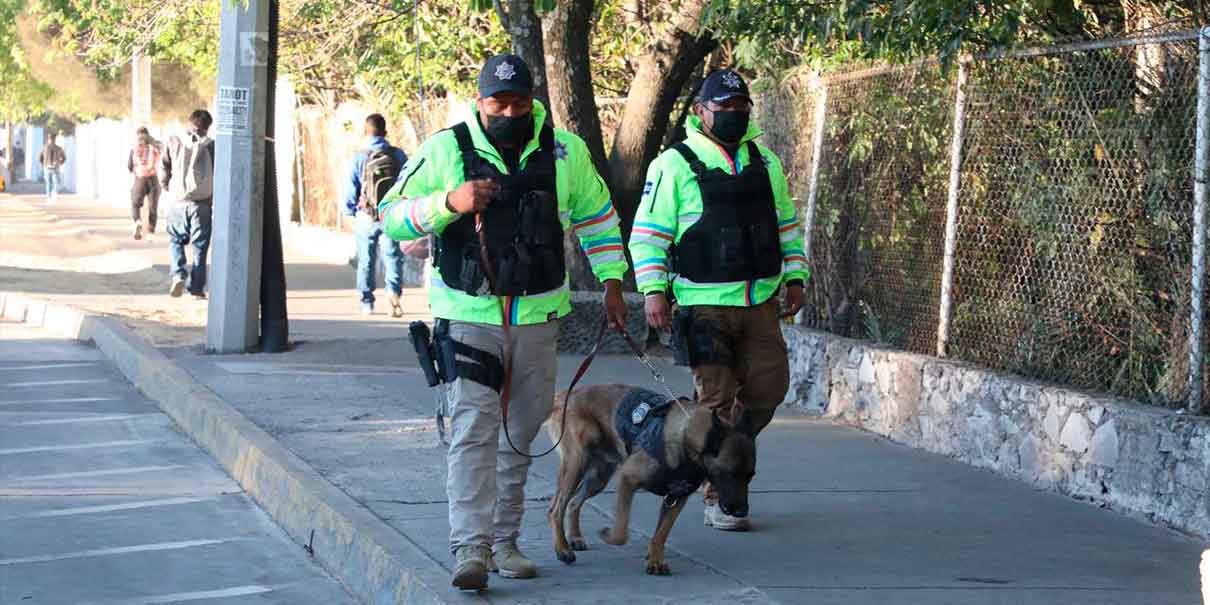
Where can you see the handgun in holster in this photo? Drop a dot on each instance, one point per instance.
(694, 341)
(422, 341)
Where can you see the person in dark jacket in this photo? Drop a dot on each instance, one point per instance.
(359, 202)
(143, 163)
(187, 171)
(52, 157)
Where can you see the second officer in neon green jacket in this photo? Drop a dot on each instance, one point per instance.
(717, 227)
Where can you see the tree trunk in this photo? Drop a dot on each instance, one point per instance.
(573, 104)
(676, 130)
(526, 31)
(662, 73)
(569, 76)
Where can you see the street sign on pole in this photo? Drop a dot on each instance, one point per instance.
(232, 325)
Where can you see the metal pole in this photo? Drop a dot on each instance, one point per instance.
(140, 90)
(274, 322)
(1200, 157)
(951, 211)
(421, 134)
(808, 223)
(821, 108)
(239, 177)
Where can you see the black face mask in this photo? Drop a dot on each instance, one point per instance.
(509, 130)
(730, 126)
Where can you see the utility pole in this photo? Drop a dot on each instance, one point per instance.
(239, 176)
(140, 90)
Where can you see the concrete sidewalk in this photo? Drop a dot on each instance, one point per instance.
(841, 516)
(80, 252)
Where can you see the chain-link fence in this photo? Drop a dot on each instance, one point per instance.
(1068, 174)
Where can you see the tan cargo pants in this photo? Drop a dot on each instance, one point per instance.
(754, 383)
(486, 481)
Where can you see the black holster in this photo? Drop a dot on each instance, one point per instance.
(696, 341)
(483, 367)
(422, 341)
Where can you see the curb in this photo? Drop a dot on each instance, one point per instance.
(375, 562)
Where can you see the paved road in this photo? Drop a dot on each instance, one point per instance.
(102, 500)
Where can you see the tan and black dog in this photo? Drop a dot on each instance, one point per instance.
(667, 448)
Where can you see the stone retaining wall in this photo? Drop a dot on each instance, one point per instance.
(1136, 459)
(578, 330)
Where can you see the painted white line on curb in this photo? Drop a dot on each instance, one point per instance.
(67, 400)
(51, 366)
(104, 552)
(51, 383)
(107, 508)
(103, 473)
(81, 419)
(268, 368)
(222, 593)
(77, 446)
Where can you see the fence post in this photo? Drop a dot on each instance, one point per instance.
(821, 108)
(1200, 157)
(808, 225)
(951, 210)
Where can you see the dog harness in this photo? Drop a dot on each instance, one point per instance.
(639, 421)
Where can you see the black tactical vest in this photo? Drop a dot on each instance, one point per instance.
(736, 237)
(523, 231)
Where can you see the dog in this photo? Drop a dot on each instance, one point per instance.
(693, 444)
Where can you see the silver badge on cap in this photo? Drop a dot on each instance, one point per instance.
(505, 71)
(732, 80)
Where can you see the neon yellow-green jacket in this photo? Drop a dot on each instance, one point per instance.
(415, 207)
(672, 203)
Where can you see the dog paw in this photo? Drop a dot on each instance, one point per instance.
(566, 556)
(607, 537)
(658, 569)
(579, 544)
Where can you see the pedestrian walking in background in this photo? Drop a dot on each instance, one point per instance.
(187, 175)
(372, 173)
(144, 163)
(507, 170)
(17, 166)
(52, 157)
(716, 213)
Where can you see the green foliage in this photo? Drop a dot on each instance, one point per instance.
(21, 95)
(777, 34)
(454, 42)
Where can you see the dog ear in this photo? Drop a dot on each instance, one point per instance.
(714, 437)
(744, 425)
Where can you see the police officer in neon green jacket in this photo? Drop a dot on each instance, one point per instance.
(507, 172)
(716, 224)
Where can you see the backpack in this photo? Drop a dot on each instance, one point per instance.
(378, 175)
(197, 179)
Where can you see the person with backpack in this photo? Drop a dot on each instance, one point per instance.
(372, 173)
(143, 163)
(52, 159)
(187, 176)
